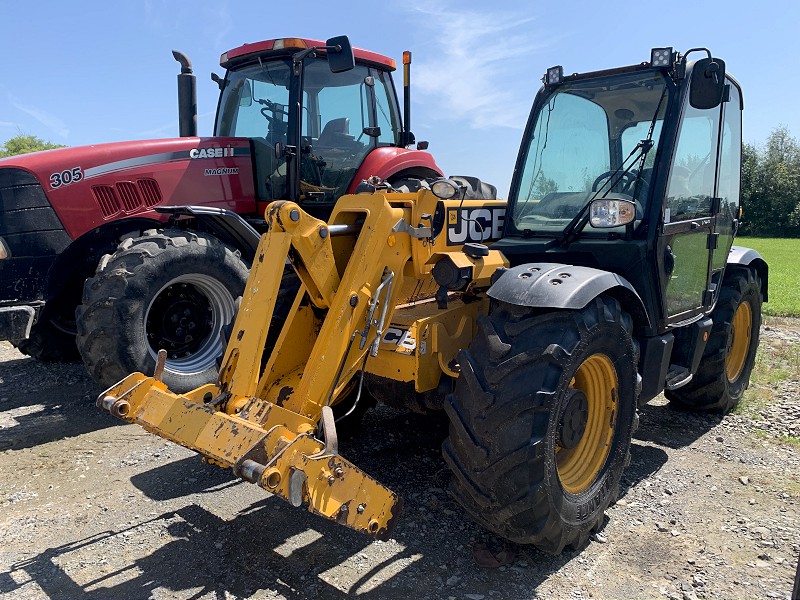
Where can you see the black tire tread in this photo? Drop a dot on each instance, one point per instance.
(100, 327)
(499, 420)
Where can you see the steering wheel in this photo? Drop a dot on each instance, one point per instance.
(274, 108)
(627, 179)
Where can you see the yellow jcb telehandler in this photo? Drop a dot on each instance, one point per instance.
(538, 324)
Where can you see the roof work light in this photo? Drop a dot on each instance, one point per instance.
(661, 57)
(554, 75)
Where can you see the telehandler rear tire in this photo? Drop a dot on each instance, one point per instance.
(168, 289)
(541, 421)
(730, 353)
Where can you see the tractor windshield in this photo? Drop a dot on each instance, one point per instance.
(344, 116)
(586, 142)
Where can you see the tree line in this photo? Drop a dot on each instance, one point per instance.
(23, 144)
(771, 186)
(770, 181)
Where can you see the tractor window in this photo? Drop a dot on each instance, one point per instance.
(254, 102)
(386, 109)
(729, 177)
(585, 142)
(691, 181)
(569, 149)
(636, 133)
(690, 189)
(338, 105)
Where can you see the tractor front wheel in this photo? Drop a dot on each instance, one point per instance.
(541, 421)
(167, 289)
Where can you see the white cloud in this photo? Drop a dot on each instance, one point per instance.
(480, 58)
(47, 119)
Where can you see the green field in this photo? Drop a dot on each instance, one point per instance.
(784, 274)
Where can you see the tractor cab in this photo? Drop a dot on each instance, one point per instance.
(314, 111)
(634, 170)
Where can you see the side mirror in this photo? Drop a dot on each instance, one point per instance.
(340, 58)
(372, 131)
(245, 93)
(707, 84)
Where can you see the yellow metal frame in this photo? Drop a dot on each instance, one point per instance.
(265, 423)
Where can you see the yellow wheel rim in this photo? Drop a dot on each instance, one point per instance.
(739, 341)
(578, 467)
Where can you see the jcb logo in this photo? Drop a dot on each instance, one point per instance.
(399, 337)
(475, 224)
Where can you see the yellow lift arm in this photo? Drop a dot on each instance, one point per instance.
(274, 425)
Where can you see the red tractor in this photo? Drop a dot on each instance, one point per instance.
(297, 119)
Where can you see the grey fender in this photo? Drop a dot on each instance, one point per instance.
(226, 225)
(554, 285)
(747, 257)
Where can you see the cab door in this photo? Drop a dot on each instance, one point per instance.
(689, 234)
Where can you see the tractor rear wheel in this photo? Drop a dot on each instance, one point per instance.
(168, 289)
(730, 353)
(541, 421)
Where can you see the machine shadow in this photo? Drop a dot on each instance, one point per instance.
(59, 405)
(205, 554)
(271, 545)
(665, 425)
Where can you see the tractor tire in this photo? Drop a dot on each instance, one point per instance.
(49, 340)
(168, 289)
(541, 421)
(730, 353)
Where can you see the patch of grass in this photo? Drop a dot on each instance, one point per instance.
(784, 277)
(790, 439)
(776, 362)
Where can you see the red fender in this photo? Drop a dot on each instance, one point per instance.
(387, 161)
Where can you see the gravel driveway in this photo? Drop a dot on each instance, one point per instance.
(92, 508)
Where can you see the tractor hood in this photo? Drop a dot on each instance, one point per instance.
(90, 185)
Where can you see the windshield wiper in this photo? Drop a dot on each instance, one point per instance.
(578, 222)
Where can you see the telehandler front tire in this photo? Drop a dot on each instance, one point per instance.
(541, 421)
(730, 353)
(167, 289)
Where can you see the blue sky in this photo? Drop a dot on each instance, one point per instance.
(86, 72)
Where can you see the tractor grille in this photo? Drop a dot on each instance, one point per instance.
(106, 200)
(150, 191)
(127, 196)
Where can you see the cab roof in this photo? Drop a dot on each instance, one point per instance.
(292, 45)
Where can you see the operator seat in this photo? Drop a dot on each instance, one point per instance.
(335, 134)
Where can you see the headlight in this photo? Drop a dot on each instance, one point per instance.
(612, 213)
(4, 251)
(444, 189)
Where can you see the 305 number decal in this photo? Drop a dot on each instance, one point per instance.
(73, 175)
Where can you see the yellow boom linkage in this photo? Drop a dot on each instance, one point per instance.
(274, 425)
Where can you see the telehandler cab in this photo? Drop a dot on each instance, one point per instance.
(610, 278)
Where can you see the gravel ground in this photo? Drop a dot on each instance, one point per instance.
(90, 508)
